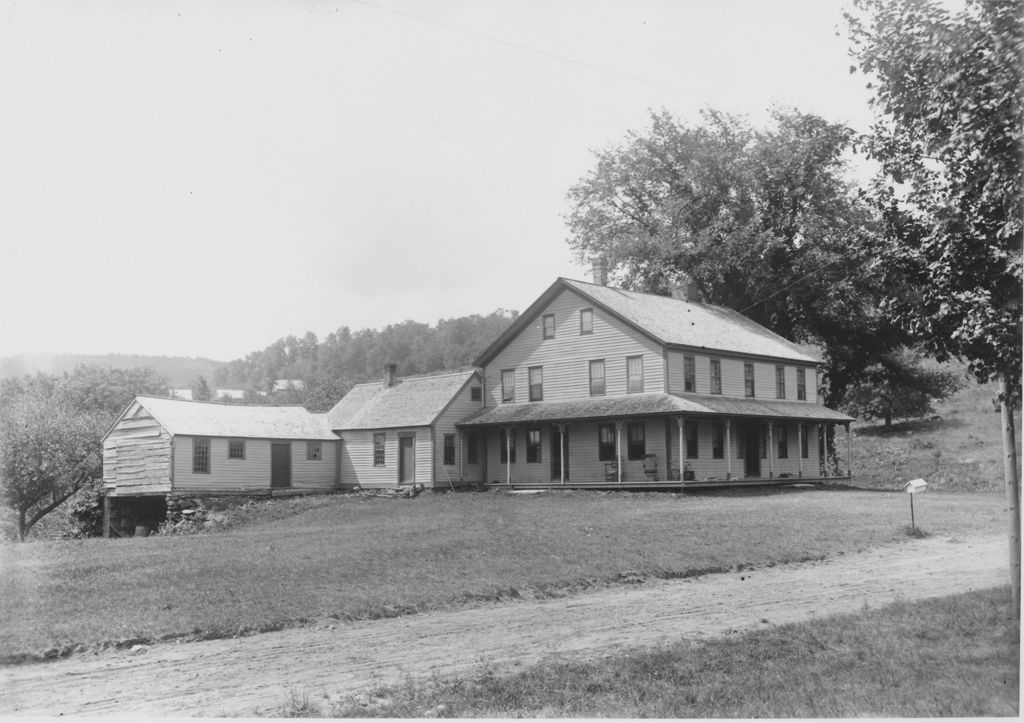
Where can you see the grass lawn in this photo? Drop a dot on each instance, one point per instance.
(953, 656)
(363, 557)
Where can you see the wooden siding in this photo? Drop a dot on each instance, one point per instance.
(566, 358)
(732, 376)
(460, 472)
(357, 458)
(137, 457)
(253, 472)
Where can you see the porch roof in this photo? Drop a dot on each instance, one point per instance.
(641, 405)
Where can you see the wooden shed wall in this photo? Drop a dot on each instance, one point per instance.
(137, 457)
(253, 472)
(357, 466)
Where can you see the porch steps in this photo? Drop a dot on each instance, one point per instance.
(676, 485)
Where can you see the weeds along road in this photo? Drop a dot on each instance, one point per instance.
(258, 673)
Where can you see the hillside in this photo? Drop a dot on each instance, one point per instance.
(179, 371)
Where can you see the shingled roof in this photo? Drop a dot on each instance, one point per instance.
(668, 321)
(409, 402)
(210, 419)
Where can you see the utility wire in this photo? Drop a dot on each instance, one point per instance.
(795, 281)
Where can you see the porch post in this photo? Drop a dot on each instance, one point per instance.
(106, 514)
(682, 447)
(728, 449)
(771, 443)
(800, 432)
(618, 449)
(849, 453)
(561, 451)
(508, 456)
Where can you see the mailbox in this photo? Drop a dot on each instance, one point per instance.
(914, 486)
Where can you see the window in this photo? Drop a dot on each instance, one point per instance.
(508, 385)
(692, 449)
(803, 440)
(783, 442)
(716, 376)
(200, 455)
(801, 384)
(780, 382)
(449, 449)
(473, 448)
(508, 447)
(236, 449)
(475, 394)
(596, 377)
(536, 376)
(634, 374)
(378, 449)
(549, 326)
(586, 321)
(313, 450)
(636, 440)
(689, 374)
(718, 440)
(606, 443)
(748, 379)
(533, 445)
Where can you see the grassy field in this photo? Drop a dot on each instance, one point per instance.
(351, 557)
(954, 656)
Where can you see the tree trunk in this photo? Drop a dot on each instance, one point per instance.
(1012, 489)
(888, 420)
(22, 524)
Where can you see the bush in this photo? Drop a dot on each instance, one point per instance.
(86, 511)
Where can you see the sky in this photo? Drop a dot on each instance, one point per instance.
(204, 178)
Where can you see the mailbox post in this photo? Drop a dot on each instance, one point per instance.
(913, 487)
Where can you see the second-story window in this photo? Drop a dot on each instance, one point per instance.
(508, 385)
(634, 374)
(536, 375)
(780, 382)
(549, 326)
(748, 379)
(801, 384)
(689, 374)
(596, 377)
(716, 376)
(586, 321)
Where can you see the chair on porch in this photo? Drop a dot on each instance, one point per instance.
(611, 471)
(651, 466)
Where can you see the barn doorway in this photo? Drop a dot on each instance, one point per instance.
(280, 464)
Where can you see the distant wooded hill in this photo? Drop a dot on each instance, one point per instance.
(178, 370)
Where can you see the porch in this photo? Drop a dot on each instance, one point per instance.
(669, 485)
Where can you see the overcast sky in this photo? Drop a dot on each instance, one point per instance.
(203, 178)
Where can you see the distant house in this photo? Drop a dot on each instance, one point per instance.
(403, 431)
(228, 394)
(180, 394)
(281, 385)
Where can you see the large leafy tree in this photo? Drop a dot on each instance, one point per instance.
(949, 96)
(762, 221)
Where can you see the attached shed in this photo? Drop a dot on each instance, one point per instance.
(402, 431)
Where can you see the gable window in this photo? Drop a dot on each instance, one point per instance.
(475, 394)
(803, 441)
(748, 379)
(313, 450)
(508, 447)
(596, 377)
(200, 455)
(783, 441)
(718, 440)
(689, 374)
(536, 377)
(508, 385)
(801, 384)
(533, 445)
(692, 448)
(236, 449)
(606, 443)
(780, 382)
(449, 449)
(378, 449)
(549, 326)
(586, 321)
(634, 374)
(716, 376)
(473, 448)
(636, 440)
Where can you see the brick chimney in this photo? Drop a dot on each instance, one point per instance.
(389, 375)
(600, 271)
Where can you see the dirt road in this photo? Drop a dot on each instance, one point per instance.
(257, 673)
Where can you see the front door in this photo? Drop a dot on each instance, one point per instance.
(281, 465)
(752, 450)
(406, 460)
(556, 453)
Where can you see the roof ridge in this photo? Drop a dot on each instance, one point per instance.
(219, 404)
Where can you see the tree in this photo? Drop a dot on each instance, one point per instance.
(899, 386)
(949, 95)
(201, 390)
(762, 221)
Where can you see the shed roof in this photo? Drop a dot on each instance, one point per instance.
(668, 321)
(409, 402)
(210, 419)
(639, 405)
